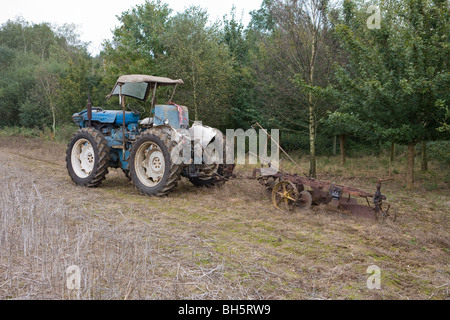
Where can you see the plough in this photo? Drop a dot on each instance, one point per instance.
(289, 191)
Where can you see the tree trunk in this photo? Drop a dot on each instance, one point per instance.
(342, 147)
(312, 141)
(52, 107)
(194, 90)
(424, 165)
(195, 102)
(53, 123)
(334, 145)
(312, 119)
(410, 167)
(392, 151)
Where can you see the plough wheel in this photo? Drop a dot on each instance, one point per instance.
(285, 196)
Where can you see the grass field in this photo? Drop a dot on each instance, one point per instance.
(227, 243)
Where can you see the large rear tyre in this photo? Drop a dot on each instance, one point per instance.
(151, 168)
(220, 174)
(214, 174)
(87, 157)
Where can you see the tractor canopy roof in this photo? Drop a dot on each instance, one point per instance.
(139, 86)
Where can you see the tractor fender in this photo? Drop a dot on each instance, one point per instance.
(197, 132)
(203, 133)
(167, 129)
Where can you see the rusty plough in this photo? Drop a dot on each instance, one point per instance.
(290, 191)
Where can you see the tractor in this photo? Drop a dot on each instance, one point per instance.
(148, 149)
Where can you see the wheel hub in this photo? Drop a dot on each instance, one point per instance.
(87, 158)
(83, 158)
(153, 163)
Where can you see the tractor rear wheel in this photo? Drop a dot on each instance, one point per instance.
(214, 174)
(151, 168)
(87, 157)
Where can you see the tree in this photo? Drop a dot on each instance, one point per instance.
(242, 98)
(194, 54)
(80, 80)
(297, 63)
(344, 124)
(38, 62)
(397, 76)
(48, 84)
(16, 82)
(137, 43)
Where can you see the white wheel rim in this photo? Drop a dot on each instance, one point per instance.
(150, 164)
(83, 158)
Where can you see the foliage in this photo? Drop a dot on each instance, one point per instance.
(440, 151)
(39, 64)
(306, 67)
(397, 75)
(341, 123)
(33, 115)
(137, 43)
(243, 100)
(195, 55)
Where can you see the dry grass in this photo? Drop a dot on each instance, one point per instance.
(226, 243)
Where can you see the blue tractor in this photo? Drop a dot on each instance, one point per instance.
(148, 150)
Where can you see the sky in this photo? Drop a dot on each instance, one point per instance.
(97, 18)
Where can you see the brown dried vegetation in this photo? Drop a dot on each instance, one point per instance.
(227, 243)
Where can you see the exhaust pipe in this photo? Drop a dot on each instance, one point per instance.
(89, 111)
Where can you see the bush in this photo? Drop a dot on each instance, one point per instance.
(63, 132)
(33, 115)
(440, 151)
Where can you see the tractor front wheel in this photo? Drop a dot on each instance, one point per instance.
(87, 157)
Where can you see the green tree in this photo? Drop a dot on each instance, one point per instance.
(35, 60)
(47, 82)
(294, 69)
(138, 42)
(194, 54)
(262, 19)
(81, 78)
(344, 124)
(16, 81)
(243, 100)
(397, 76)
